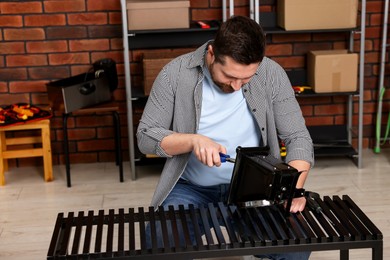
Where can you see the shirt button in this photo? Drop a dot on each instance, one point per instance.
(254, 110)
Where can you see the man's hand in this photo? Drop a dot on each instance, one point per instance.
(207, 151)
(298, 204)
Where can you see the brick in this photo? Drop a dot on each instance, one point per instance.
(319, 120)
(40, 99)
(68, 32)
(117, 56)
(78, 69)
(14, 98)
(8, 74)
(290, 38)
(105, 132)
(330, 37)
(69, 58)
(87, 18)
(44, 20)
(307, 110)
(199, 4)
(206, 14)
(116, 44)
(46, 46)
(82, 133)
(64, 6)
(11, 21)
(3, 87)
(27, 86)
(95, 145)
(52, 72)
(291, 62)
(329, 110)
(21, 7)
(82, 158)
(94, 121)
(115, 18)
(304, 48)
(376, 19)
(24, 34)
(2, 62)
(26, 60)
(279, 50)
(94, 5)
(106, 31)
(11, 47)
(373, 32)
(89, 45)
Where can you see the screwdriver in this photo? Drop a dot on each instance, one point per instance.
(313, 205)
(226, 158)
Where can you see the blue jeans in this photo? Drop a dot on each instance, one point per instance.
(185, 193)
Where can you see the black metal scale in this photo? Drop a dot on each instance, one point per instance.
(190, 232)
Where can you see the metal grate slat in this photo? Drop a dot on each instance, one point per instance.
(195, 223)
(164, 229)
(175, 231)
(367, 222)
(121, 230)
(77, 235)
(364, 232)
(343, 233)
(131, 229)
(206, 227)
(215, 225)
(99, 232)
(343, 218)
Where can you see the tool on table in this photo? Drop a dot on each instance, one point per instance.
(226, 158)
(312, 204)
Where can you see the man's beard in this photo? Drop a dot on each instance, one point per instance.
(226, 88)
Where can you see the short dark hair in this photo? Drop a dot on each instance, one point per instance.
(240, 38)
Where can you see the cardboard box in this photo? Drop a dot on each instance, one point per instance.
(317, 14)
(157, 14)
(332, 71)
(152, 66)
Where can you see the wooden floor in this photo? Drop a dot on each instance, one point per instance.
(29, 206)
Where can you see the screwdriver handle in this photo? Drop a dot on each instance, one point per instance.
(311, 202)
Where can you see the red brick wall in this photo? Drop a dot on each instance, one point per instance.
(47, 40)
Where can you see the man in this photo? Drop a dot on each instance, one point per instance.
(223, 95)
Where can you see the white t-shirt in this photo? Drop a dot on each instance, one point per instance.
(226, 119)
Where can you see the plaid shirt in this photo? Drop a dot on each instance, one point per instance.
(175, 101)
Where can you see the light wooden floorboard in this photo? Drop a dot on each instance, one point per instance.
(29, 206)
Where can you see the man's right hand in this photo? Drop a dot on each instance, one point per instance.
(205, 149)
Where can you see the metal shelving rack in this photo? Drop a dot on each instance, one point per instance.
(195, 36)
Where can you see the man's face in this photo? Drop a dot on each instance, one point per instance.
(230, 76)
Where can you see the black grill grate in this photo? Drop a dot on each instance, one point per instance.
(122, 234)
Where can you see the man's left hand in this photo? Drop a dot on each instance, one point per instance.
(298, 204)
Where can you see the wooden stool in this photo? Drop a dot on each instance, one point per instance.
(45, 151)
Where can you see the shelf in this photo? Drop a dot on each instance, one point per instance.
(196, 36)
(331, 140)
(335, 145)
(171, 38)
(332, 151)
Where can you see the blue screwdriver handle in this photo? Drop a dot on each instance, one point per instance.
(223, 157)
